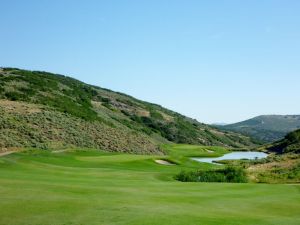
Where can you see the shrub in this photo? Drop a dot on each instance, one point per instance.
(15, 96)
(156, 115)
(229, 174)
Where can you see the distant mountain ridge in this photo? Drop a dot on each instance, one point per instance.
(266, 128)
(219, 124)
(51, 111)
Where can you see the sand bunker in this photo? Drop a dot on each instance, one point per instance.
(164, 162)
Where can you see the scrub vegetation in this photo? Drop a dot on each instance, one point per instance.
(229, 174)
(282, 166)
(53, 111)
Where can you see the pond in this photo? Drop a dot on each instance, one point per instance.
(234, 156)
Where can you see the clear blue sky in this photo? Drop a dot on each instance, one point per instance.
(213, 60)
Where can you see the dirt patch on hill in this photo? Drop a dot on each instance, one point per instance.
(19, 107)
(6, 153)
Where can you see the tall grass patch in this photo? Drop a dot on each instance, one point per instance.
(227, 175)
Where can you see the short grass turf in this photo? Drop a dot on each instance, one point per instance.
(98, 188)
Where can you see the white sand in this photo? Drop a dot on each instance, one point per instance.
(164, 162)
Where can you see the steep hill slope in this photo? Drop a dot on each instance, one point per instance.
(47, 110)
(290, 144)
(267, 128)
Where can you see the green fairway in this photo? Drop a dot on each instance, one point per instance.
(99, 188)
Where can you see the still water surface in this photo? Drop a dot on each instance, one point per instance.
(234, 155)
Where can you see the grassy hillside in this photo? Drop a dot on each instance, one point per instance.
(283, 163)
(266, 128)
(94, 187)
(290, 144)
(53, 111)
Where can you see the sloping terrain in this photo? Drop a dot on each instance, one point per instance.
(45, 110)
(31, 125)
(267, 128)
(290, 144)
(283, 163)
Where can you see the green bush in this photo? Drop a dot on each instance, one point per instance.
(15, 96)
(156, 115)
(229, 174)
